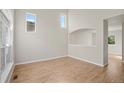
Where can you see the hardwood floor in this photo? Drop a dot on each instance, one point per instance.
(69, 70)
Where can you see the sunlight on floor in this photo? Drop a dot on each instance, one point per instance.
(118, 57)
(115, 56)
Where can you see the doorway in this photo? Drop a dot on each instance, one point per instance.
(113, 40)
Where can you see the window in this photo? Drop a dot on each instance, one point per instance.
(63, 21)
(111, 40)
(30, 22)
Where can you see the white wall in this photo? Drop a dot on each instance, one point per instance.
(48, 41)
(91, 19)
(51, 41)
(117, 48)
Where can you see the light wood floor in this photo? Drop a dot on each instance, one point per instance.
(69, 70)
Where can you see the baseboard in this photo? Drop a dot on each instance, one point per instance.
(47, 59)
(86, 60)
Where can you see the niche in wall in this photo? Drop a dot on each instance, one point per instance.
(83, 37)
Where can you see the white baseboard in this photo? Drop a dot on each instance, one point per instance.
(40, 60)
(47, 59)
(86, 60)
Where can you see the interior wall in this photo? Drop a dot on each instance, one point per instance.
(91, 19)
(49, 40)
(117, 48)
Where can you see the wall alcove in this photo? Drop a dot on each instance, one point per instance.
(83, 37)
